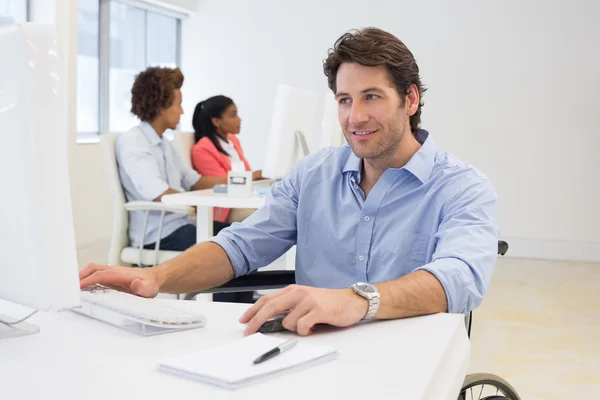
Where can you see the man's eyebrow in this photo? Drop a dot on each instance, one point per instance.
(369, 89)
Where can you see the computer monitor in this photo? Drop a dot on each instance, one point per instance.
(331, 130)
(292, 122)
(38, 263)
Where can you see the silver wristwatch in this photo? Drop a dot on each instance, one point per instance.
(370, 293)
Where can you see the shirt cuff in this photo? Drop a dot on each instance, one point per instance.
(450, 273)
(237, 259)
(191, 179)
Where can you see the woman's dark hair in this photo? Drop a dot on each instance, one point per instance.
(153, 90)
(372, 47)
(205, 111)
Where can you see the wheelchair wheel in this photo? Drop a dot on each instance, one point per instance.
(487, 387)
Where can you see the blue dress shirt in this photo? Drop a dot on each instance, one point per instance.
(435, 214)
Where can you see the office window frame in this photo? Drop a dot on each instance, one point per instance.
(154, 6)
(27, 16)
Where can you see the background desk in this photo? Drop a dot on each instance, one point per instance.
(206, 200)
(77, 358)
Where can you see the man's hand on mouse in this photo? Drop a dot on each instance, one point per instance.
(308, 306)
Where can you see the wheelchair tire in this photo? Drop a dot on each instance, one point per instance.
(481, 379)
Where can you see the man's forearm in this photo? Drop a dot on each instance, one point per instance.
(207, 182)
(201, 267)
(418, 293)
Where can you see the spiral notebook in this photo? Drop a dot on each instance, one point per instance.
(231, 365)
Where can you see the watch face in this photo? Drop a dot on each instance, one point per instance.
(366, 288)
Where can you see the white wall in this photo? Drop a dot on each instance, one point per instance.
(513, 89)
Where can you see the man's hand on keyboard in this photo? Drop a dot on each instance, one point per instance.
(138, 281)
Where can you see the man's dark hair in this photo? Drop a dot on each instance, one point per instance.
(372, 47)
(153, 91)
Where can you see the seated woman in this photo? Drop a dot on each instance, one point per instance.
(217, 150)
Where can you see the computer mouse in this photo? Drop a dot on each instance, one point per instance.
(273, 325)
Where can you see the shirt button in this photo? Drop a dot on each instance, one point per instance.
(361, 258)
(367, 219)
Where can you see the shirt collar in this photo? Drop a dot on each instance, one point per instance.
(420, 164)
(150, 133)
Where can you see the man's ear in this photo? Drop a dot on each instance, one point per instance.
(412, 100)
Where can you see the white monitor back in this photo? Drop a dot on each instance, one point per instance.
(331, 130)
(294, 111)
(38, 263)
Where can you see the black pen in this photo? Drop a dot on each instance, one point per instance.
(276, 351)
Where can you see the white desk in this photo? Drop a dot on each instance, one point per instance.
(205, 200)
(76, 358)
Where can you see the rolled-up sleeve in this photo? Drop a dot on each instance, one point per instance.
(189, 176)
(137, 162)
(467, 246)
(267, 234)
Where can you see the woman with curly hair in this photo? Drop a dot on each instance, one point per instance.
(149, 166)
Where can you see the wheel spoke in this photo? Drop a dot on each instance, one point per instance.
(503, 389)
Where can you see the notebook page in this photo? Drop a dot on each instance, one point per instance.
(231, 364)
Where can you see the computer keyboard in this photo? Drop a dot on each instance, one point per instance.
(137, 314)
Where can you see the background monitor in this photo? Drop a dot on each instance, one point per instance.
(331, 130)
(293, 120)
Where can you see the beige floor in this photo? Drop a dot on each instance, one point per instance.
(539, 328)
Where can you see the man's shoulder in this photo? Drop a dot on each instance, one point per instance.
(134, 135)
(456, 174)
(328, 159)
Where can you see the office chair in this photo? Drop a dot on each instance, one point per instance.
(120, 252)
(183, 143)
(491, 386)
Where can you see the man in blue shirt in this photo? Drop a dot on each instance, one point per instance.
(387, 227)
